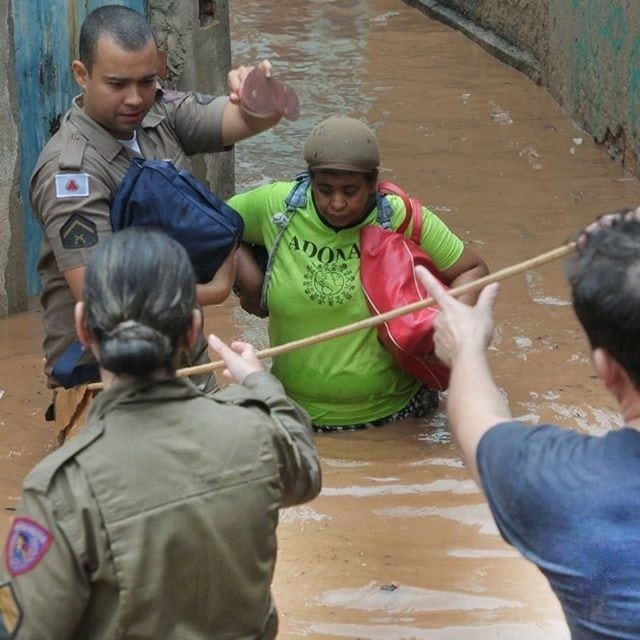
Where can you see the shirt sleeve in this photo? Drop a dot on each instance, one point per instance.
(257, 206)
(293, 438)
(444, 246)
(197, 120)
(73, 224)
(528, 479)
(46, 590)
(440, 243)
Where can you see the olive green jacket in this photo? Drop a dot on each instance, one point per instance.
(162, 516)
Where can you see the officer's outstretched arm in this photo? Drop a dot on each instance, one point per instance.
(293, 436)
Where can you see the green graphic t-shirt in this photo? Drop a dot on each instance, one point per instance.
(315, 287)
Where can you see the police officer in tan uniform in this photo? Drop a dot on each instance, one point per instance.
(120, 114)
(158, 520)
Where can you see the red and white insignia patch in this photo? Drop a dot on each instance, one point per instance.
(72, 185)
(27, 543)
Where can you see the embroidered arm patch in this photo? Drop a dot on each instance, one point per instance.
(78, 232)
(10, 612)
(26, 545)
(72, 185)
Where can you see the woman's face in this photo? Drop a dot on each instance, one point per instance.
(342, 199)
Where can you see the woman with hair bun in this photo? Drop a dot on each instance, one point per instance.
(158, 520)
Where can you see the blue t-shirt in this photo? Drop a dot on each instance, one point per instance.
(570, 503)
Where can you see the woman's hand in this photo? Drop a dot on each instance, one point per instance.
(240, 358)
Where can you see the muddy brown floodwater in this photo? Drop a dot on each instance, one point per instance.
(400, 543)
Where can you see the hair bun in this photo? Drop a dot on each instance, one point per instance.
(135, 348)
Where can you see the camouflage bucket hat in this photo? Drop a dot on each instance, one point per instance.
(342, 143)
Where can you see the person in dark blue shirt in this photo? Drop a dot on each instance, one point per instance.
(573, 507)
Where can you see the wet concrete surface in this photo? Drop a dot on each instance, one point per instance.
(400, 543)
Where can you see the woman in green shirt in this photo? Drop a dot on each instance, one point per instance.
(314, 279)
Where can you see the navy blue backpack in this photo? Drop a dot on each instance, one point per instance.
(154, 193)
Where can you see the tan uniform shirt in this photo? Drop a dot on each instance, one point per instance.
(161, 517)
(75, 180)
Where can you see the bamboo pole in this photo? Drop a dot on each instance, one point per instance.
(373, 321)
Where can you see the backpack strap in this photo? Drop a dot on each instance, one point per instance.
(412, 207)
(296, 199)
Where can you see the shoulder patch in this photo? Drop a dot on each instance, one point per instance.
(170, 95)
(72, 185)
(202, 98)
(78, 232)
(26, 545)
(10, 611)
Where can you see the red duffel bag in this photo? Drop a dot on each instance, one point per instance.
(387, 264)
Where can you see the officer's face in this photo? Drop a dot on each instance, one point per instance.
(342, 199)
(121, 87)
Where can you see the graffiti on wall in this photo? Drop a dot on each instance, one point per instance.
(605, 66)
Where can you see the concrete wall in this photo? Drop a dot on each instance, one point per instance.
(587, 52)
(521, 22)
(195, 37)
(13, 290)
(593, 69)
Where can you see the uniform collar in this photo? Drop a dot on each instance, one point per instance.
(143, 391)
(99, 138)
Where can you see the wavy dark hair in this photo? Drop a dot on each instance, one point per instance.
(139, 294)
(604, 275)
(128, 28)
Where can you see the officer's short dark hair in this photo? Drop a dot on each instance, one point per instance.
(125, 26)
(605, 284)
(139, 293)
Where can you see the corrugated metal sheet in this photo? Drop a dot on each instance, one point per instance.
(45, 38)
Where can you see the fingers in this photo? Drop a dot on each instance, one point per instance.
(432, 285)
(223, 351)
(237, 75)
(240, 358)
(605, 221)
(244, 349)
(487, 299)
(602, 222)
(488, 295)
(235, 78)
(237, 348)
(267, 67)
(219, 347)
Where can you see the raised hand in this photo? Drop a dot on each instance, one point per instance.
(240, 358)
(458, 326)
